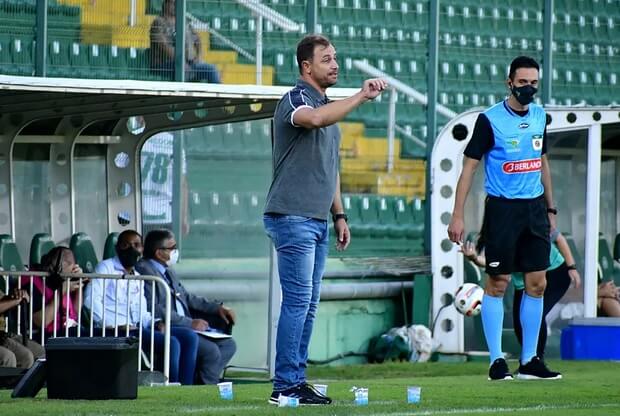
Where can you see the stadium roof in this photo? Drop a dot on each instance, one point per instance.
(68, 96)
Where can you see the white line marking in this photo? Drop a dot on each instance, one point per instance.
(211, 409)
(495, 410)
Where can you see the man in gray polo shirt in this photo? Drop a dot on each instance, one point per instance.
(305, 188)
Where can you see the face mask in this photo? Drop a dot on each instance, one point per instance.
(174, 258)
(524, 94)
(128, 256)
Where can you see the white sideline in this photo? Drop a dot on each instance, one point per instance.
(495, 410)
(413, 412)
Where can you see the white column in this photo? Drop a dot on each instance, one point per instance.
(259, 50)
(391, 129)
(593, 193)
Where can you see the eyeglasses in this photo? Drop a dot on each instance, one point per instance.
(174, 247)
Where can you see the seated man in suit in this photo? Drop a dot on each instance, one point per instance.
(188, 310)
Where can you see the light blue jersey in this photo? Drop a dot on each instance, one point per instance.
(513, 165)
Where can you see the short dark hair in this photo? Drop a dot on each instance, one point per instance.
(305, 48)
(522, 62)
(124, 236)
(154, 240)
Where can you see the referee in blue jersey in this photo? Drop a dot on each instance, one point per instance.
(511, 137)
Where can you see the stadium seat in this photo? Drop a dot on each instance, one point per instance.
(352, 206)
(403, 219)
(40, 245)
(84, 252)
(58, 57)
(5, 53)
(385, 215)
(22, 54)
(369, 214)
(9, 255)
(606, 262)
(109, 248)
(573, 248)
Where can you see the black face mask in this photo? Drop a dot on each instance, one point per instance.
(128, 256)
(524, 94)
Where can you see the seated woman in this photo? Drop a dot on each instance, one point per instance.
(60, 315)
(608, 299)
(13, 351)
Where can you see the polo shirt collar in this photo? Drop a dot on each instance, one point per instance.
(312, 92)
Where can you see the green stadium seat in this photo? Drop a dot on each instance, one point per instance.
(109, 248)
(117, 61)
(78, 57)
(352, 206)
(236, 210)
(5, 54)
(248, 214)
(606, 262)
(385, 215)
(369, 215)
(40, 245)
(22, 54)
(9, 255)
(218, 208)
(98, 60)
(402, 218)
(417, 207)
(84, 252)
(577, 255)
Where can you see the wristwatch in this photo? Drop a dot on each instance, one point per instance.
(336, 217)
(572, 266)
(553, 211)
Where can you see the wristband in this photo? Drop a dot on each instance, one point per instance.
(336, 217)
(572, 266)
(553, 211)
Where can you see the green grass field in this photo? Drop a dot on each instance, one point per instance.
(588, 388)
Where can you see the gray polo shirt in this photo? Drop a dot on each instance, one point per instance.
(305, 160)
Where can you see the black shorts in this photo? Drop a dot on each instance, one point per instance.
(516, 235)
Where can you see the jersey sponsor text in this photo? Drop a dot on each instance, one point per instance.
(522, 166)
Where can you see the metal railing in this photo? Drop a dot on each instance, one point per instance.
(93, 327)
(398, 86)
(260, 12)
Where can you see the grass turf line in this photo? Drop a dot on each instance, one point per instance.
(588, 388)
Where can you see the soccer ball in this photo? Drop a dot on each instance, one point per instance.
(468, 299)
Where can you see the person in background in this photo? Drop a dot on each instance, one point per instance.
(125, 309)
(13, 352)
(58, 260)
(188, 310)
(157, 169)
(163, 33)
(608, 299)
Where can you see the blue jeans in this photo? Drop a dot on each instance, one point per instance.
(183, 352)
(197, 71)
(302, 247)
